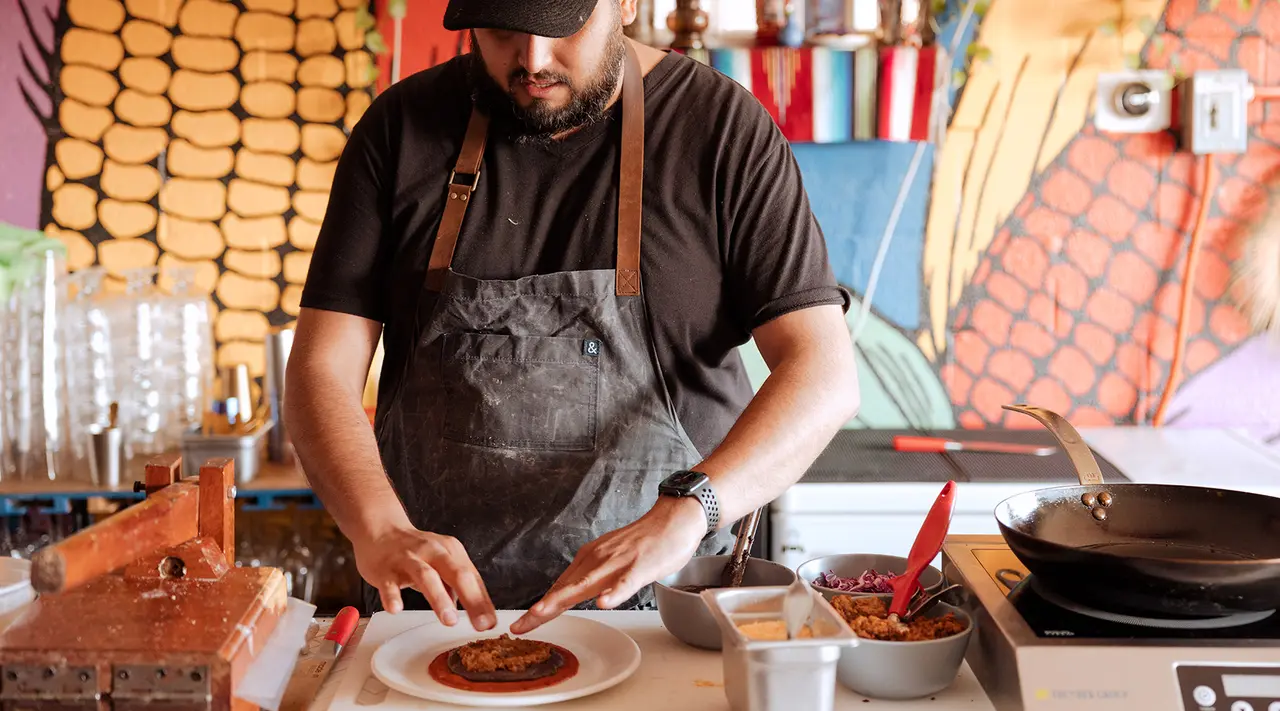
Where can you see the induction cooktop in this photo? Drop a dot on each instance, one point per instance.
(1033, 650)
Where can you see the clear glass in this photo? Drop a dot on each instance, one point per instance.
(35, 378)
(187, 331)
(91, 383)
(142, 378)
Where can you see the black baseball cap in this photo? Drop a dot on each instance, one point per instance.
(544, 18)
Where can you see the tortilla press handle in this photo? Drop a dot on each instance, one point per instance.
(1082, 459)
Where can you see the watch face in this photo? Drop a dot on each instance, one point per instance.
(684, 482)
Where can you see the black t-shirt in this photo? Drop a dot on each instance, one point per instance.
(729, 240)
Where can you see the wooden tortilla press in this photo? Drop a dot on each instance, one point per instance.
(145, 609)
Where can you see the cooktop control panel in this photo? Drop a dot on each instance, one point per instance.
(1229, 688)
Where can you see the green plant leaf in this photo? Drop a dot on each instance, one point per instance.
(939, 7)
(1146, 26)
(372, 73)
(1157, 43)
(981, 7)
(374, 42)
(1246, 5)
(1132, 61)
(978, 53)
(364, 19)
(958, 77)
(900, 387)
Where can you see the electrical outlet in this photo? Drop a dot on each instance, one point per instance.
(1215, 111)
(1137, 101)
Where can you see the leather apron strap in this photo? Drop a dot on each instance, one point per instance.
(630, 178)
(466, 176)
(462, 183)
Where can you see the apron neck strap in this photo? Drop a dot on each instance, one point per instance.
(630, 177)
(466, 176)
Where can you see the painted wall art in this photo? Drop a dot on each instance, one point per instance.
(1022, 256)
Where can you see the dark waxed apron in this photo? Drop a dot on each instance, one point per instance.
(532, 417)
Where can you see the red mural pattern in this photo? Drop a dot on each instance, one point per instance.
(1075, 305)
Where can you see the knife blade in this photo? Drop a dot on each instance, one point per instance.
(905, 443)
(315, 666)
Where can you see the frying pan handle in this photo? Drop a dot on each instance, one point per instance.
(1009, 578)
(1081, 456)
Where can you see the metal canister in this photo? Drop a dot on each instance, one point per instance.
(106, 456)
(279, 344)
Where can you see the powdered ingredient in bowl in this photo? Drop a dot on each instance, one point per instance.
(770, 630)
(869, 582)
(868, 617)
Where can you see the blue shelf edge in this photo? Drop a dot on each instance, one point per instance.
(60, 502)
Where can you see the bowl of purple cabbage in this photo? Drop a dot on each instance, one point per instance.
(861, 574)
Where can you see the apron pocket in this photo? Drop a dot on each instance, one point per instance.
(521, 392)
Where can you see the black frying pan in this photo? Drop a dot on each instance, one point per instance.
(1144, 548)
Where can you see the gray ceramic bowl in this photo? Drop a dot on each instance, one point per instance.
(851, 565)
(905, 670)
(686, 616)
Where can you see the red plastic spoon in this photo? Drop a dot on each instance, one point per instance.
(925, 549)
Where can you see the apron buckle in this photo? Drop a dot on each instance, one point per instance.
(453, 175)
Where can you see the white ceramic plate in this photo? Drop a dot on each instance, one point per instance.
(607, 656)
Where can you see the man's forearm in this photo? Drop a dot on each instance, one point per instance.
(800, 407)
(339, 453)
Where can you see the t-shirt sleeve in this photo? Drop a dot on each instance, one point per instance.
(349, 263)
(776, 253)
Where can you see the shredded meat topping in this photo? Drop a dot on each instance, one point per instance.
(502, 653)
(868, 617)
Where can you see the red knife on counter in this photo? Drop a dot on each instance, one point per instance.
(314, 667)
(909, 443)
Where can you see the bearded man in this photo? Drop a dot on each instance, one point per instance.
(563, 237)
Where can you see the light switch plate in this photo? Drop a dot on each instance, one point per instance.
(1215, 111)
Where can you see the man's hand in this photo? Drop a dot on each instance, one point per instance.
(616, 565)
(436, 566)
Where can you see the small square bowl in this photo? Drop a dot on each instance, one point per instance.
(781, 675)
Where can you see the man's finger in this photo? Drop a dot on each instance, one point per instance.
(427, 581)
(624, 586)
(389, 591)
(464, 579)
(578, 587)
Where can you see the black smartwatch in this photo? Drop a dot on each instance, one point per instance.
(697, 485)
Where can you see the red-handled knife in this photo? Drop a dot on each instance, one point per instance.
(314, 666)
(909, 443)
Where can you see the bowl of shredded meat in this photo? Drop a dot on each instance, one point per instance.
(861, 574)
(897, 660)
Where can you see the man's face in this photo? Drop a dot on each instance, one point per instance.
(548, 86)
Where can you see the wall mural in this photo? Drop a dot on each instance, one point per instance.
(1045, 264)
(197, 133)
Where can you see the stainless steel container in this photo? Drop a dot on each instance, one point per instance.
(782, 675)
(106, 456)
(245, 449)
(279, 343)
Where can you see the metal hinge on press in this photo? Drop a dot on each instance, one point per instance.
(149, 687)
